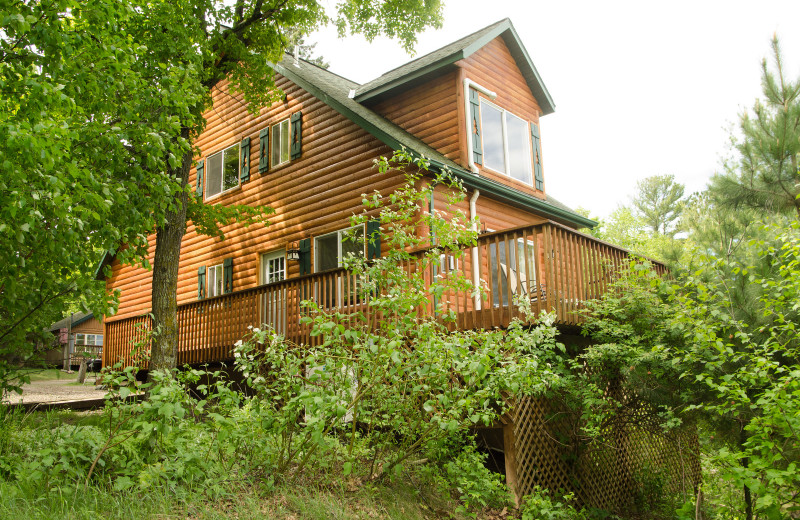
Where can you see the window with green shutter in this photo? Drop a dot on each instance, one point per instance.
(227, 275)
(537, 157)
(263, 150)
(297, 135)
(244, 174)
(199, 187)
(475, 127)
(201, 282)
(373, 239)
(305, 256)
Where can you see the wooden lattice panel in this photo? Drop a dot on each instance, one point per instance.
(606, 472)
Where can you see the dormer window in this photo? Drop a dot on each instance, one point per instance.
(506, 142)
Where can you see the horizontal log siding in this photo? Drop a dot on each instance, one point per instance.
(90, 326)
(493, 67)
(429, 112)
(311, 196)
(493, 214)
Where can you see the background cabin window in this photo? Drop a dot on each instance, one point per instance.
(273, 267)
(215, 281)
(89, 339)
(506, 142)
(280, 143)
(223, 171)
(330, 249)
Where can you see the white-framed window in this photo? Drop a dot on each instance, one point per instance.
(273, 267)
(280, 143)
(89, 339)
(331, 249)
(214, 280)
(506, 142)
(222, 171)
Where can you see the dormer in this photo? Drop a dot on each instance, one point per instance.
(477, 101)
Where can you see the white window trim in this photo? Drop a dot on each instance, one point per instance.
(207, 171)
(209, 285)
(506, 158)
(272, 135)
(269, 255)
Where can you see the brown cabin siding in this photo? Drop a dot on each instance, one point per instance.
(90, 326)
(493, 67)
(493, 214)
(311, 196)
(428, 111)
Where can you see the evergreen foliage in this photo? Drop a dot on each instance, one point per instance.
(763, 174)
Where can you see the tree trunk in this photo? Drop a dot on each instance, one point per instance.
(164, 343)
(748, 498)
(82, 371)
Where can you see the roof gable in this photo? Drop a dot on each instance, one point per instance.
(335, 91)
(435, 62)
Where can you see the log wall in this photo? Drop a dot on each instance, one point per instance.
(493, 67)
(311, 196)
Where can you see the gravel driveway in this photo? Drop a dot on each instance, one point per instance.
(56, 390)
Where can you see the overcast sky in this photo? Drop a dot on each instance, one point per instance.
(641, 88)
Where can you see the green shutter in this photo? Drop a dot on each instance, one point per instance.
(305, 256)
(199, 188)
(373, 239)
(201, 282)
(475, 127)
(537, 157)
(295, 151)
(263, 150)
(244, 175)
(227, 275)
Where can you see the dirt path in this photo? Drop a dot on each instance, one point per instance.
(56, 390)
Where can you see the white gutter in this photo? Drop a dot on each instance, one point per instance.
(468, 83)
(476, 274)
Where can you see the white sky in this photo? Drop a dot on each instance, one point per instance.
(641, 88)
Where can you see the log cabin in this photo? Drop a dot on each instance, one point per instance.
(473, 107)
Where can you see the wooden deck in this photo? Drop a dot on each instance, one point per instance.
(553, 267)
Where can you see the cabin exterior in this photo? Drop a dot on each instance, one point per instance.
(474, 107)
(77, 336)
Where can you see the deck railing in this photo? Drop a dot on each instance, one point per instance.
(552, 267)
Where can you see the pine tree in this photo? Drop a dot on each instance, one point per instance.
(659, 203)
(764, 175)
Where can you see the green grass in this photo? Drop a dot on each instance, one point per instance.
(49, 374)
(402, 500)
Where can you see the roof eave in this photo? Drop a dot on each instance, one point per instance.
(429, 70)
(468, 178)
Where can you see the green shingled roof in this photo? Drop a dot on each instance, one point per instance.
(338, 93)
(437, 61)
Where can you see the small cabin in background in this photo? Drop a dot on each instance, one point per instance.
(78, 336)
(474, 107)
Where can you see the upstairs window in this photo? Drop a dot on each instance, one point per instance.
(280, 143)
(222, 171)
(506, 142)
(215, 280)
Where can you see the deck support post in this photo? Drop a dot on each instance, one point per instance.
(510, 455)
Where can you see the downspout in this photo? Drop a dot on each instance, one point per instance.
(476, 273)
(433, 241)
(468, 83)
